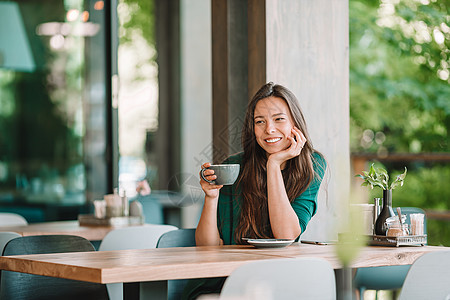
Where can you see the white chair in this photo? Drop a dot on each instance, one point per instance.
(11, 219)
(136, 237)
(5, 237)
(287, 278)
(428, 277)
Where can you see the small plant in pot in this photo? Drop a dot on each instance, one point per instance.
(378, 177)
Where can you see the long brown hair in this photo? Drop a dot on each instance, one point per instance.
(298, 173)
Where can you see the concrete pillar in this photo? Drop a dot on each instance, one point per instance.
(307, 51)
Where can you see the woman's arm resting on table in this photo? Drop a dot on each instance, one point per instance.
(207, 233)
(283, 219)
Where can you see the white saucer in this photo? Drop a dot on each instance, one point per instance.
(269, 243)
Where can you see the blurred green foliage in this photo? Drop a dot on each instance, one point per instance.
(137, 17)
(399, 76)
(137, 33)
(400, 96)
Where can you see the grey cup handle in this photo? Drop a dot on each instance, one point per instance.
(203, 176)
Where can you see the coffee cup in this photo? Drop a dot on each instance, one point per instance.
(226, 174)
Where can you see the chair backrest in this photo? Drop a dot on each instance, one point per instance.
(16, 285)
(152, 209)
(291, 278)
(12, 219)
(136, 237)
(428, 277)
(5, 237)
(177, 238)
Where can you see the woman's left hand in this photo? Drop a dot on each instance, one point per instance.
(298, 140)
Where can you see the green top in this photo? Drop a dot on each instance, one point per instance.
(305, 206)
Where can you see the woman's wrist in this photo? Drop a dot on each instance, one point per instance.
(271, 164)
(209, 200)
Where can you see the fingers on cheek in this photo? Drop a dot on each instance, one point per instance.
(303, 138)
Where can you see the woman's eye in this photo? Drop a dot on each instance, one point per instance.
(279, 119)
(259, 122)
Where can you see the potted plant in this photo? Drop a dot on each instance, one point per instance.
(378, 177)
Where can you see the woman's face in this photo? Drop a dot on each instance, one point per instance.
(273, 124)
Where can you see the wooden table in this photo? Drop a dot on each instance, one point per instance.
(92, 233)
(159, 265)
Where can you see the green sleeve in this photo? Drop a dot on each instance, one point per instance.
(224, 217)
(305, 205)
(228, 206)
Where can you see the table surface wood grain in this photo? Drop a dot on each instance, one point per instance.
(190, 262)
(92, 233)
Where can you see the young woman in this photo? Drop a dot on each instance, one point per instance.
(275, 195)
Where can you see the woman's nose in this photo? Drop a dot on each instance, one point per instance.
(270, 128)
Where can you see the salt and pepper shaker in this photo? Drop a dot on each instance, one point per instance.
(399, 214)
(376, 211)
(136, 209)
(125, 208)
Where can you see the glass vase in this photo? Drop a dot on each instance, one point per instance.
(386, 212)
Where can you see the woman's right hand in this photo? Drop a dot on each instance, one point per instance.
(211, 190)
(207, 233)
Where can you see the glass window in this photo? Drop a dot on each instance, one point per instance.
(54, 113)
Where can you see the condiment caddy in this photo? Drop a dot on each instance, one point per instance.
(396, 232)
(114, 210)
(91, 220)
(407, 240)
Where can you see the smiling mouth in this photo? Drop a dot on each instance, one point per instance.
(274, 140)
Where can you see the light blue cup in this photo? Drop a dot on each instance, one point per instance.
(226, 174)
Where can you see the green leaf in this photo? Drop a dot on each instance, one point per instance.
(372, 171)
(399, 180)
(379, 178)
